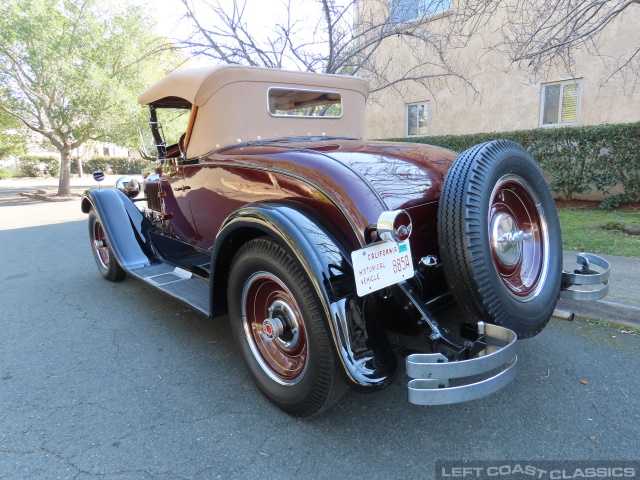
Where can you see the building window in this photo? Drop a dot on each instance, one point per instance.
(560, 103)
(401, 11)
(417, 119)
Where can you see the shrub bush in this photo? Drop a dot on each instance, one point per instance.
(619, 162)
(5, 173)
(34, 166)
(112, 165)
(574, 159)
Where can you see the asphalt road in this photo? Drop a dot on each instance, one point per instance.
(115, 381)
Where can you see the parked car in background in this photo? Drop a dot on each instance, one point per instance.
(333, 255)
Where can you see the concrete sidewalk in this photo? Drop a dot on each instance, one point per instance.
(622, 305)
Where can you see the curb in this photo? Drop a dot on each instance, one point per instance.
(44, 198)
(609, 309)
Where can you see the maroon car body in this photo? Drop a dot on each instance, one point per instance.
(333, 255)
(352, 173)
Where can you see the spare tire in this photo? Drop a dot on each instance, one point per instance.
(499, 238)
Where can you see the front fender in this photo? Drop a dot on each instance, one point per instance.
(123, 224)
(358, 337)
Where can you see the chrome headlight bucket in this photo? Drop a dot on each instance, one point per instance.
(394, 226)
(129, 186)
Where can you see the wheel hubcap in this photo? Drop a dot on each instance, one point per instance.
(506, 239)
(273, 328)
(100, 245)
(518, 237)
(282, 325)
(278, 342)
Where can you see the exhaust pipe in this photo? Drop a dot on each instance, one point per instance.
(563, 315)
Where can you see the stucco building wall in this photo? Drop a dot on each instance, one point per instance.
(507, 99)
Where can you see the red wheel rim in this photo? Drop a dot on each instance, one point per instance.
(100, 245)
(283, 356)
(518, 237)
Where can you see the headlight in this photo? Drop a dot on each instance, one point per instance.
(129, 186)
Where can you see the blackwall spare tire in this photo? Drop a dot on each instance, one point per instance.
(499, 238)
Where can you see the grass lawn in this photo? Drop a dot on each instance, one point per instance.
(581, 232)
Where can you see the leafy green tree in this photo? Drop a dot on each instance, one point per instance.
(70, 70)
(12, 136)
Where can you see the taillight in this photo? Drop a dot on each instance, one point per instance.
(394, 226)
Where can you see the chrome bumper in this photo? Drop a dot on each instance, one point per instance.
(597, 282)
(431, 372)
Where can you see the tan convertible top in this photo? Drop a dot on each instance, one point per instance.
(232, 104)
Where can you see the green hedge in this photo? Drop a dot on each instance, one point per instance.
(112, 165)
(575, 159)
(34, 166)
(5, 173)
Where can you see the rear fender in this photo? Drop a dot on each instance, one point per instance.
(123, 224)
(358, 337)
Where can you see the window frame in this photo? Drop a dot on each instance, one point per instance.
(297, 89)
(420, 16)
(406, 119)
(543, 97)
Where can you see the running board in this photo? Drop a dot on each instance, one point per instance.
(597, 282)
(431, 372)
(177, 283)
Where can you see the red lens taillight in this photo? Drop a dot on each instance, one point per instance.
(394, 226)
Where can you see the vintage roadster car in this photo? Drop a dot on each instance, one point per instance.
(332, 255)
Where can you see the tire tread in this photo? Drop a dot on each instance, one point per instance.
(329, 386)
(460, 231)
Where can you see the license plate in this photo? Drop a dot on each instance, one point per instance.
(381, 265)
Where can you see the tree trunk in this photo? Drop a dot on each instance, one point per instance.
(64, 186)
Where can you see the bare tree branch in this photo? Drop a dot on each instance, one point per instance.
(374, 39)
(540, 34)
(346, 37)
